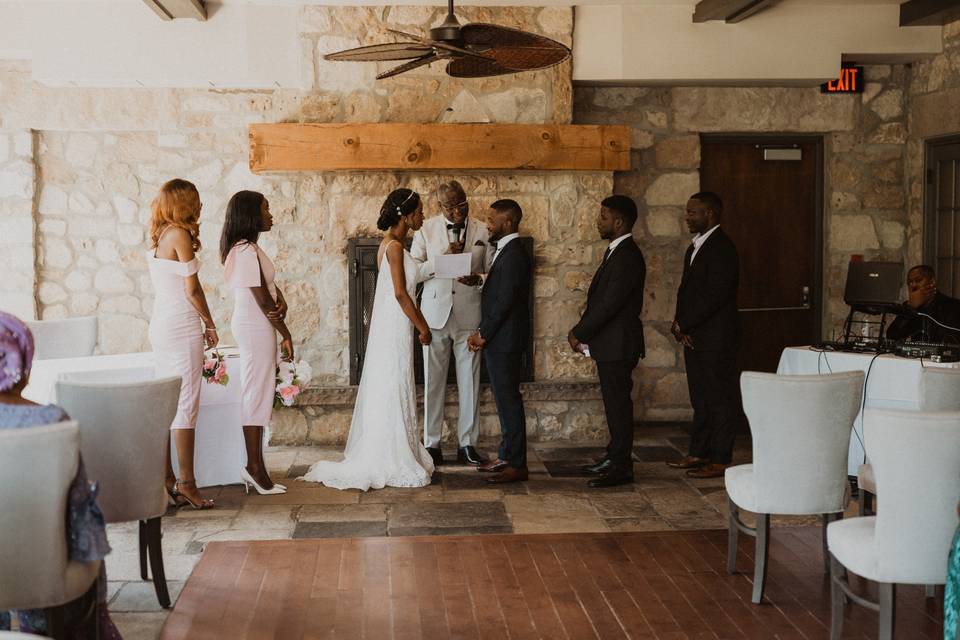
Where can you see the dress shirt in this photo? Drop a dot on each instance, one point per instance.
(614, 243)
(501, 243)
(700, 239)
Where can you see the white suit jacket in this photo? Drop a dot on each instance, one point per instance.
(441, 296)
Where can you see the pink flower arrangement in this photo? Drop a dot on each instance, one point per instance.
(215, 369)
(291, 379)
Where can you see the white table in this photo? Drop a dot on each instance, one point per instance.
(219, 454)
(893, 382)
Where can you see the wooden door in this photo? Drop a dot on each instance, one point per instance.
(942, 197)
(772, 209)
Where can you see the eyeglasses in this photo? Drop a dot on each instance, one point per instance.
(454, 207)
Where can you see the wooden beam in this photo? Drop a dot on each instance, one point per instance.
(175, 9)
(728, 10)
(420, 147)
(920, 13)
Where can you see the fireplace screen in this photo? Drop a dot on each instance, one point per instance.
(362, 259)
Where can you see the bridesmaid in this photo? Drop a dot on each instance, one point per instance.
(178, 308)
(258, 315)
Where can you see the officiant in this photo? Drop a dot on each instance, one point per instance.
(451, 306)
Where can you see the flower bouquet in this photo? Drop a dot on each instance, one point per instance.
(291, 379)
(215, 369)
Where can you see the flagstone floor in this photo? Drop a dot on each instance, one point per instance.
(556, 499)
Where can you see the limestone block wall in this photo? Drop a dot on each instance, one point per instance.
(18, 187)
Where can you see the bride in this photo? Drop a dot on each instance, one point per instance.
(384, 447)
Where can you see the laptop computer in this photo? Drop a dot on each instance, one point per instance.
(874, 287)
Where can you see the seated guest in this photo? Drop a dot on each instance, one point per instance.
(924, 298)
(86, 532)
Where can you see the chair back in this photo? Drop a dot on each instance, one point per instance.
(800, 426)
(66, 338)
(123, 438)
(37, 467)
(916, 463)
(939, 389)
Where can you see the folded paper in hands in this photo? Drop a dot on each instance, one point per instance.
(455, 265)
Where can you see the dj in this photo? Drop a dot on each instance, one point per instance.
(924, 298)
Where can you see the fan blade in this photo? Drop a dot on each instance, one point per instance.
(514, 49)
(476, 68)
(438, 44)
(527, 58)
(494, 35)
(407, 66)
(381, 52)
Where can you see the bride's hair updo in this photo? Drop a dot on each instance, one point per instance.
(400, 202)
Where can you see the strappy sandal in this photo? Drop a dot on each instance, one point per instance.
(203, 504)
(174, 497)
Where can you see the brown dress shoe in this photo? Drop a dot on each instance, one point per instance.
(494, 466)
(688, 462)
(711, 470)
(509, 475)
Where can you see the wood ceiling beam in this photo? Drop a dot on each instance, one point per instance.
(730, 11)
(927, 13)
(175, 9)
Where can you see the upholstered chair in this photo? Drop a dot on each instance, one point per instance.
(67, 338)
(37, 468)
(123, 438)
(916, 463)
(800, 427)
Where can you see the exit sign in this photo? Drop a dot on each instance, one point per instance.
(850, 81)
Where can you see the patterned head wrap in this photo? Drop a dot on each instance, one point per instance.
(16, 351)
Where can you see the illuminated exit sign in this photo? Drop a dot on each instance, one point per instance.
(850, 81)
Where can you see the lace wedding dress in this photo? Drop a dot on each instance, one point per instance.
(384, 448)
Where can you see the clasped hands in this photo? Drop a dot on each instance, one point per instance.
(476, 342)
(681, 337)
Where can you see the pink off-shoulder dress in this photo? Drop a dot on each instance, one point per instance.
(256, 337)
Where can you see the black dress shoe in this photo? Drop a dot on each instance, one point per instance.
(436, 454)
(469, 455)
(612, 478)
(598, 467)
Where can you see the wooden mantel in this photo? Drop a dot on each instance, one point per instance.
(427, 147)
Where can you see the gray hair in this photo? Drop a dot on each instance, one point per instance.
(450, 186)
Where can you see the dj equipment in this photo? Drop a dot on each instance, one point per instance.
(933, 351)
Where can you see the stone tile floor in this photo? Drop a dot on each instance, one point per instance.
(556, 499)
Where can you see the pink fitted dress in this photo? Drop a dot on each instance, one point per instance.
(175, 334)
(256, 337)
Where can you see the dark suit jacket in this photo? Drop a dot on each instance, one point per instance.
(944, 308)
(707, 298)
(505, 301)
(611, 324)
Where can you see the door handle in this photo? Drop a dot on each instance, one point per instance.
(805, 297)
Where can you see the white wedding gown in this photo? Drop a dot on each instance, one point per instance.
(384, 448)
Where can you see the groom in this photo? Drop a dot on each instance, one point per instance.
(504, 332)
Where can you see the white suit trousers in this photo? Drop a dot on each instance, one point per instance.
(436, 362)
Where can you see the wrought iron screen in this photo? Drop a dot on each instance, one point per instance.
(362, 260)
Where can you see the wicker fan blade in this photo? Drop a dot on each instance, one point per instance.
(382, 52)
(437, 44)
(407, 66)
(514, 49)
(476, 68)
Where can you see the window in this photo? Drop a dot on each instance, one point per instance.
(942, 218)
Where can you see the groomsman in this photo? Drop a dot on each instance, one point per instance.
(452, 309)
(611, 333)
(503, 334)
(707, 325)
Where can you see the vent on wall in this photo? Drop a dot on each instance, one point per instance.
(175, 9)
(782, 154)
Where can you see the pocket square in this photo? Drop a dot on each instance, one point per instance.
(479, 243)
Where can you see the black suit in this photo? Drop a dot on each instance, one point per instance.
(942, 307)
(611, 327)
(707, 312)
(505, 326)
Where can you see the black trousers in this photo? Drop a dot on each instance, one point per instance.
(712, 381)
(616, 385)
(505, 371)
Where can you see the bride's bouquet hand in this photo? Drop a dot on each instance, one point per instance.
(425, 338)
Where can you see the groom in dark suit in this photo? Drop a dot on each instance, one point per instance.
(503, 334)
(611, 332)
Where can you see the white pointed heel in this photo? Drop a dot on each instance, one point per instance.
(248, 481)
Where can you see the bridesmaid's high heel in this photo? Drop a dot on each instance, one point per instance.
(248, 480)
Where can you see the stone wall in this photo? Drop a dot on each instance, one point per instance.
(18, 186)
(864, 211)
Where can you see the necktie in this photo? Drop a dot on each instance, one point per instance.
(606, 254)
(493, 245)
(457, 226)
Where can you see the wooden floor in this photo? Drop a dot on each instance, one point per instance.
(610, 585)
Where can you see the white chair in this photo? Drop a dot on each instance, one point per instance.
(67, 338)
(916, 460)
(939, 391)
(800, 426)
(37, 467)
(123, 438)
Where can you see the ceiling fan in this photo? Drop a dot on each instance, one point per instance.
(474, 50)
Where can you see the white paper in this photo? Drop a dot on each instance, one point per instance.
(453, 265)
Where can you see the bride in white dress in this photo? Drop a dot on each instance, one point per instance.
(384, 448)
